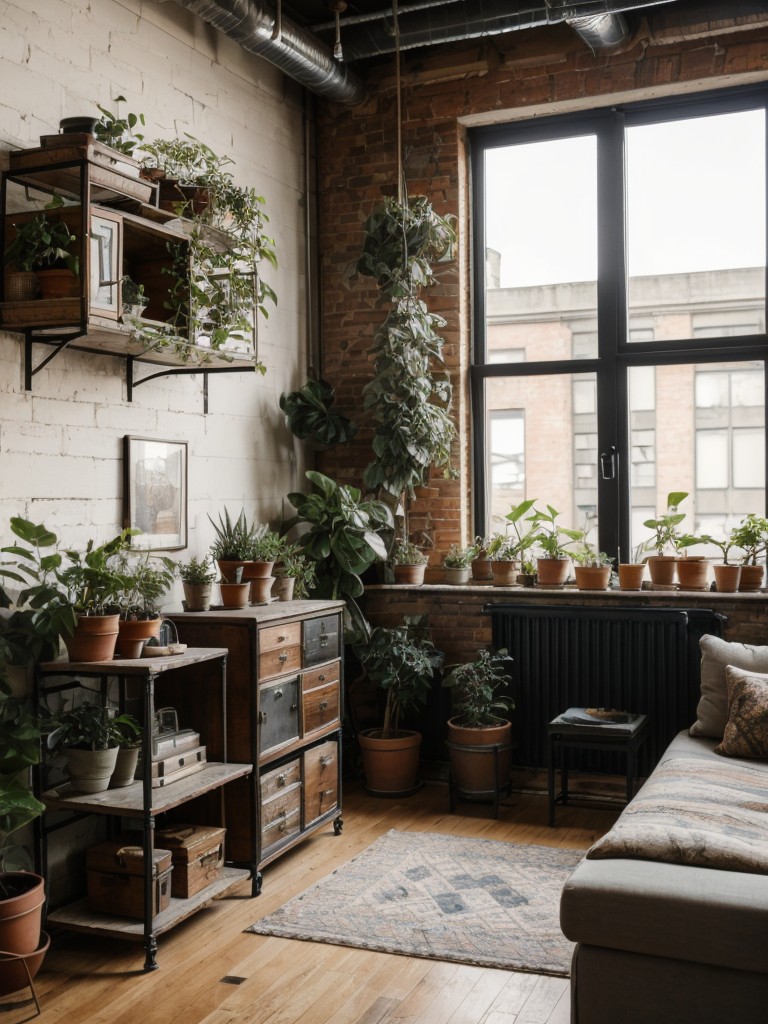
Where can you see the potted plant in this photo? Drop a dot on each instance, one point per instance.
(295, 575)
(481, 560)
(502, 551)
(40, 258)
(145, 580)
(479, 733)
(262, 551)
(129, 745)
(631, 573)
(72, 592)
(196, 576)
(665, 539)
(727, 575)
(552, 539)
(118, 132)
(591, 568)
(310, 416)
(234, 590)
(232, 543)
(456, 564)
(89, 736)
(408, 563)
(134, 298)
(692, 570)
(343, 535)
(402, 661)
(751, 536)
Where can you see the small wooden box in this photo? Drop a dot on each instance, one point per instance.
(116, 878)
(198, 856)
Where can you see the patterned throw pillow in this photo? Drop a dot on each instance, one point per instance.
(716, 654)
(746, 732)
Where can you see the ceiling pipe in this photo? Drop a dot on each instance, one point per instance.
(599, 22)
(295, 51)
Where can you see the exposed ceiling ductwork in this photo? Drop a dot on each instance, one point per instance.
(305, 56)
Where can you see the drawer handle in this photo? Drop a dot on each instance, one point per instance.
(327, 792)
(321, 677)
(323, 643)
(262, 717)
(294, 707)
(282, 813)
(283, 826)
(322, 636)
(282, 778)
(323, 705)
(325, 760)
(283, 657)
(282, 639)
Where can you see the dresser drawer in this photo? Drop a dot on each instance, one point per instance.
(278, 713)
(278, 831)
(321, 639)
(321, 780)
(272, 638)
(320, 707)
(283, 806)
(279, 779)
(276, 662)
(320, 676)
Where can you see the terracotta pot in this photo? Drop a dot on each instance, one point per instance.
(257, 570)
(751, 578)
(412, 574)
(58, 283)
(90, 770)
(131, 631)
(235, 595)
(197, 596)
(663, 569)
(13, 974)
(94, 639)
(20, 286)
(261, 589)
(592, 577)
(390, 766)
(727, 578)
(482, 569)
(552, 572)
(504, 574)
(20, 914)
(474, 771)
(693, 573)
(228, 569)
(456, 576)
(125, 767)
(282, 588)
(631, 575)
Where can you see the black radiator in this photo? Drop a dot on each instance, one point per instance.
(637, 659)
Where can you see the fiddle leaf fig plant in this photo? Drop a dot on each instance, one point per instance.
(309, 414)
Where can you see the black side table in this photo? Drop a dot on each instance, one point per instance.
(562, 735)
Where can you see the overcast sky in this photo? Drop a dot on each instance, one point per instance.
(696, 201)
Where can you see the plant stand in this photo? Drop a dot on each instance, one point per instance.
(486, 796)
(16, 966)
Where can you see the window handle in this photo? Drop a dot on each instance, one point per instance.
(608, 463)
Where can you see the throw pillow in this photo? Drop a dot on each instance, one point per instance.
(716, 654)
(746, 731)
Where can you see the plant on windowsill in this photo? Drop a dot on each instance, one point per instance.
(727, 575)
(751, 536)
(401, 661)
(481, 560)
(456, 564)
(552, 540)
(408, 563)
(481, 705)
(665, 541)
(592, 568)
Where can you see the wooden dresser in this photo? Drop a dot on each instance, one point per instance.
(284, 711)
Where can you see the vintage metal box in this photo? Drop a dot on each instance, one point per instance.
(198, 856)
(116, 878)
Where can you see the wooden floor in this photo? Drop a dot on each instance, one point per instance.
(211, 972)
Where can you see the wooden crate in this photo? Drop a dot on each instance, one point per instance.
(116, 878)
(198, 856)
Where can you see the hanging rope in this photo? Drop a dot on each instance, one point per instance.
(400, 171)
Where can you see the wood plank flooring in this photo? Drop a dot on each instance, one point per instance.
(211, 972)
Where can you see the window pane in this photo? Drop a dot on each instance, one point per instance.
(700, 437)
(539, 448)
(541, 261)
(680, 261)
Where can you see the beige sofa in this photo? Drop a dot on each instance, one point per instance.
(669, 910)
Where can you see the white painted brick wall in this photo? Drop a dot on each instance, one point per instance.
(61, 444)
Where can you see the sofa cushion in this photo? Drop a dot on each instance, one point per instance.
(669, 910)
(708, 813)
(746, 731)
(716, 655)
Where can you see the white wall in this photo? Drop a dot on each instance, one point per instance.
(60, 444)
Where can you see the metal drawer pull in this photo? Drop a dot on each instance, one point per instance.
(321, 677)
(294, 707)
(322, 636)
(327, 792)
(282, 778)
(283, 657)
(325, 760)
(323, 705)
(282, 639)
(323, 643)
(282, 813)
(283, 826)
(262, 717)
(277, 694)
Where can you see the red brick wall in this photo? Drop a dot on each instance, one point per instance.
(356, 160)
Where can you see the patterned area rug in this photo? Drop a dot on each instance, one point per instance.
(475, 901)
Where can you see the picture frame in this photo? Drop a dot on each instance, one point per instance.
(155, 492)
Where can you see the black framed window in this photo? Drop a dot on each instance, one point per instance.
(620, 310)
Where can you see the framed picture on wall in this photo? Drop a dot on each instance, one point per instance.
(155, 492)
